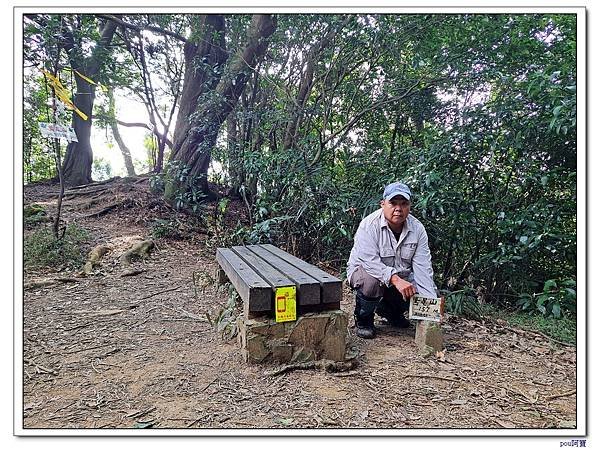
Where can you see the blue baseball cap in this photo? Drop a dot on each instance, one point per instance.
(397, 188)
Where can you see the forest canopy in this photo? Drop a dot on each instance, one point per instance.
(305, 117)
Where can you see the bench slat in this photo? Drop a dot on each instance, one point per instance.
(271, 275)
(331, 287)
(254, 291)
(308, 290)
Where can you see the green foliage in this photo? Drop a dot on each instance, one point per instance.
(563, 329)
(151, 150)
(101, 169)
(169, 228)
(42, 249)
(268, 230)
(476, 112)
(215, 222)
(38, 158)
(34, 214)
(157, 184)
(487, 142)
(556, 299)
(181, 188)
(225, 322)
(33, 209)
(463, 303)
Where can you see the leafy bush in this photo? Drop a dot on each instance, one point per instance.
(558, 299)
(181, 188)
(267, 231)
(101, 169)
(490, 153)
(215, 222)
(34, 214)
(463, 303)
(42, 249)
(165, 228)
(225, 322)
(157, 183)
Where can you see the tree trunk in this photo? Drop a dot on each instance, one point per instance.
(306, 84)
(234, 153)
(114, 126)
(79, 157)
(77, 168)
(124, 150)
(201, 116)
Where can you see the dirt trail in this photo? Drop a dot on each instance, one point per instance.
(113, 351)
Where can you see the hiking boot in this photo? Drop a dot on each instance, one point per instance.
(364, 315)
(365, 332)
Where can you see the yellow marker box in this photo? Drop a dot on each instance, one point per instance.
(285, 304)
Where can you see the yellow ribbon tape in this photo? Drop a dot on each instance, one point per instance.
(89, 80)
(63, 94)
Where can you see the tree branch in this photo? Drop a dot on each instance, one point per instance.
(145, 27)
(136, 124)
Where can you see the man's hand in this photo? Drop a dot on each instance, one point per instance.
(404, 287)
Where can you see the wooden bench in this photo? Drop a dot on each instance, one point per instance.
(257, 270)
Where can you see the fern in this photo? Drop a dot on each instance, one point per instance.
(464, 303)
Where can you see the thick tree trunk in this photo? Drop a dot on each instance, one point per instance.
(203, 68)
(198, 122)
(77, 166)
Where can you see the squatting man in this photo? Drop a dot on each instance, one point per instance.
(389, 262)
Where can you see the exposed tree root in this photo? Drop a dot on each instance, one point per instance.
(109, 208)
(72, 195)
(140, 249)
(94, 257)
(95, 183)
(321, 364)
(48, 282)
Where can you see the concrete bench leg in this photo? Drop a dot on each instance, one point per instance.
(429, 337)
(312, 337)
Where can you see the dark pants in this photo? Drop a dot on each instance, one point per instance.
(374, 297)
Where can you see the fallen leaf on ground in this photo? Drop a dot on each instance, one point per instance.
(441, 355)
(285, 422)
(505, 423)
(567, 424)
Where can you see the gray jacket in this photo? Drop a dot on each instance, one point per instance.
(377, 251)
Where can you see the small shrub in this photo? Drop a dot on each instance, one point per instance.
(463, 303)
(215, 222)
(165, 228)
(225, 322)
(34, 214)
(157, 183)
(42, 249)
(180, 188)
(563, 328)
(33, 209)
(557, 298)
